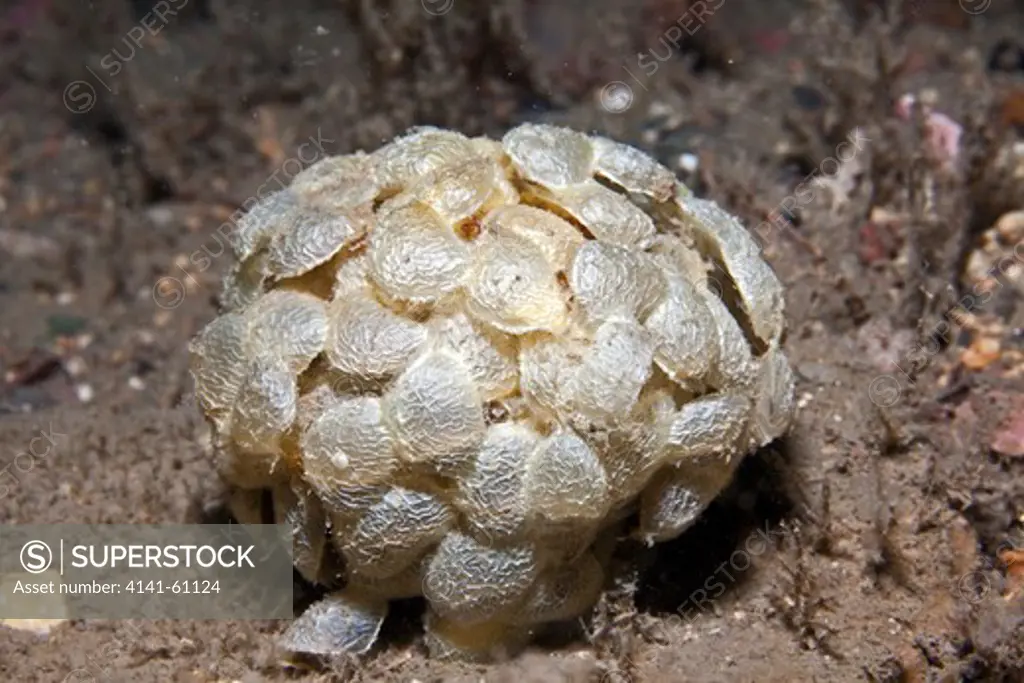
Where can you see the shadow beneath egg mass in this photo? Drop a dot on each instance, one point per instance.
(721, 550)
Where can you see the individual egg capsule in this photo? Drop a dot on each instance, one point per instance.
(736, 368)
(270, 216)
(406, 584)
(613, 282)
(632, 170)
(512, 287)
(265, 406)
(760, 291)
(288, 325)
(368, 342)
(709, 427)
(434, 412)
(773, 404)
(299, 509)
(244, 283)
(565, 482)
(490, 356)
(608, 215)
(545, 366)
(414, 257)
(458, 191)
(557, 239)
(395, 532)
(550, 156)
(466, 581)
(614, 369)
(343, 622)
(338, 183)
(218, 361)
(562, 593)
(418, 153)
(348, 445)
(491, 496)
(314, 239)
(634, 449)
(677, 496)
(684, 333)
(486, 641)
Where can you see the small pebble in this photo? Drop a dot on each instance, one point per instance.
(136, 383)
(84, 392)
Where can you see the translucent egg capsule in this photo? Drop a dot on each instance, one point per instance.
(480, 641)
(513, 288)
(557, 239)
(406, 584)
(315, 237)
(491, 495)
(563, 593)
(673, 501)
(218, 362)
(348, 444)
(265, 406)
(470, 582)
(418, 153)
(758, 286)
(298, 508)
(709, 426)
(352, 277)
(338, 183)
(545, 366)
(614, 369)
(736, 367)
(632, 170)
(368, 342)
(774, 400)
(394, 533)
(565, 481)
(248, 470)
(245, 283)
(550, 156)
(343, 622)
(270, 216)
(434, 411)
(684, 333)
(414, 257)
(631, 451)
(608, 215)
(458, 191)
(612, 282)
(490, 356)
(288, 325)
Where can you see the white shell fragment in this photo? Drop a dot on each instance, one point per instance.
(463, 369)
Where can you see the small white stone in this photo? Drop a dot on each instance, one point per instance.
(84, 392)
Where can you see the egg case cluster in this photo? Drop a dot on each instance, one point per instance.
(458, 364)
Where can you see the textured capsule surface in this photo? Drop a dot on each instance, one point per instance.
(459, 368)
